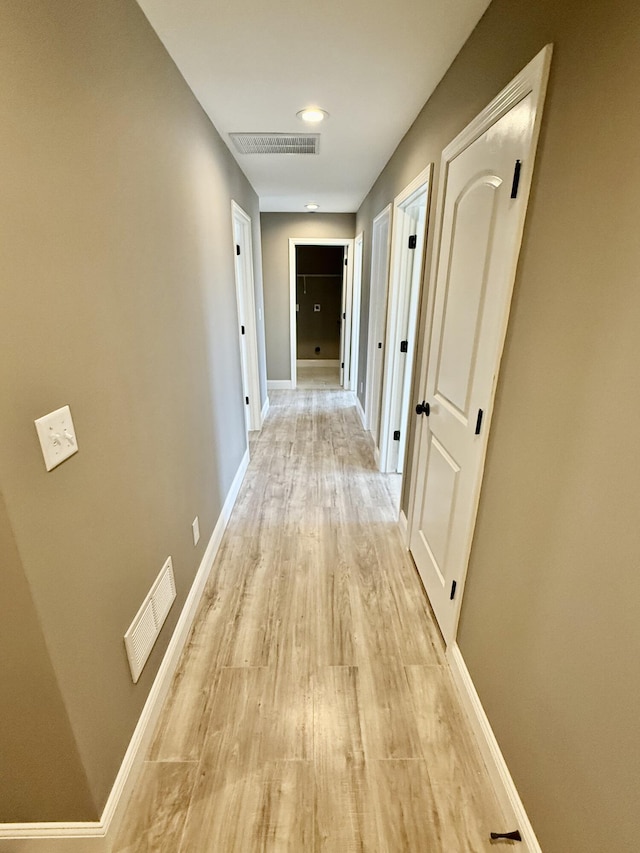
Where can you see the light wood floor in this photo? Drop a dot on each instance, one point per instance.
(313, 709)
(317, 376)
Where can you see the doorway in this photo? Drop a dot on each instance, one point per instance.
(319, 286)
(320, 272)
(247, 330)
(380, 250)
(407, 257)
(485, 180)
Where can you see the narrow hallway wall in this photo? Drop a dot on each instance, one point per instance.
(118, 299)
(549, 625)
(40, 768)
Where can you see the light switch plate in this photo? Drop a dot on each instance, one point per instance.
(57, 437)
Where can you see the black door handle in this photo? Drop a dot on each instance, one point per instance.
(423, 408)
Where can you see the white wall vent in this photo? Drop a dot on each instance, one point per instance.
(145, 628)
(276, 143)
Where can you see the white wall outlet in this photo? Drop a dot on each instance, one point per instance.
(196, 530)
(316, 306)
(57, 436)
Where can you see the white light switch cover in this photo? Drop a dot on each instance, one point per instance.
(57, 436)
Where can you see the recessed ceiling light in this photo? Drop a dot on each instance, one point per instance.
(313, 115)
(312, 205)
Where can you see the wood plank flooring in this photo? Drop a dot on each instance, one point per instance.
(313, 709)
(318, 376)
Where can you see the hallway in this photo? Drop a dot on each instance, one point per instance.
(312, 709)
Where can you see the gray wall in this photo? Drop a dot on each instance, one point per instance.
(277, 228)
(118, 298)
(40, 770)
(550, 627)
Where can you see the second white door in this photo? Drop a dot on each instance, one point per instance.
(243, 256)
(407, 254)
(380, 245)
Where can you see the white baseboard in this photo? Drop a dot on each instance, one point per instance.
(279, 384)
(503, 784)
(264, 412)
(87, 837)
(318, 362)
(360, 412)
(98, 836)
(403, 524)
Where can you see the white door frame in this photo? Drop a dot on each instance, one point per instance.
(531, 80)
(377, 307)
(245, 296)
(347, 242)
(355, 312)
(397, 293)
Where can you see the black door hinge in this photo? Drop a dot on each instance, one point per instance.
(413, 241)
(242, 329)
(344, 316)
(237, 249)
(346, 262)
(516, 179)
(404, 346)
(342, 365)
(479, 421)
(379, 344)
(511, 836)
(246, 399)
(454, 584)
(396, 435)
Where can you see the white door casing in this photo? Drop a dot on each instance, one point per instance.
(347, 286)
(380, 253)
(345, 320)
(409, 220)
(344, 375)
(355, 313)
(247, 326)
(402, 389)
(485, 178)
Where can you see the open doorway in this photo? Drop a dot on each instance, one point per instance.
(319, 286)
(321, 312)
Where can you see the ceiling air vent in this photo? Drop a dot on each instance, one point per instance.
(276, 143)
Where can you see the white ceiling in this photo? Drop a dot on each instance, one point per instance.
(371, 64)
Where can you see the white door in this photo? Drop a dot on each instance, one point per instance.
(345, 325)
(247, 330)
(355, 313)
(482, 210)
(381, 241)
(407, 254)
